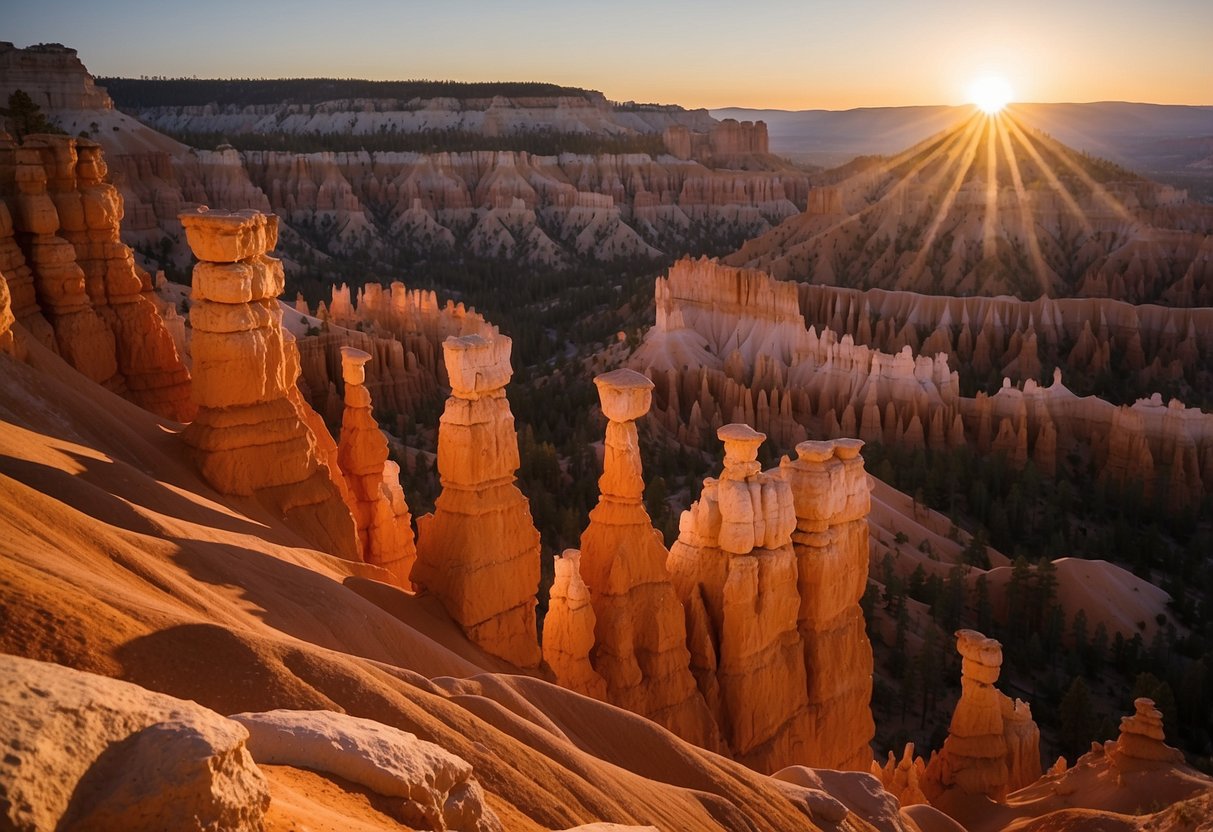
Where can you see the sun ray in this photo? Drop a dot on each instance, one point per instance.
(1098, 190)
(1066, 197)
(945, 145)
(988, 238)
(1021, 196)
(964, 163)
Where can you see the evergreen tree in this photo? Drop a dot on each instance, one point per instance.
(25, 117)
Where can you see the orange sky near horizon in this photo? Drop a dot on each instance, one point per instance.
(774, 54)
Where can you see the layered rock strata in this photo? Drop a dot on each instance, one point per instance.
(90, 213)
(1141, 745)
(640, 631)
(80, 335)
(831, 499)
(568, 629)
(733, 345)
(385, 531)
(249, 437)
(984, 752)
(479, 551)
(734, 569)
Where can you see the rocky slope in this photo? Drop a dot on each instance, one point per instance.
(991, 207)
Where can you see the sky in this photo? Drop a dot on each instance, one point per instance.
(707, 53)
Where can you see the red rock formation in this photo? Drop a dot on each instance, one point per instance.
(830, 495)
(993, 746)
(734, 567)
(728, 340)
(646, 666)
(1141, 745)
(249, 438)
(8, 341)
(81, 337)
(568, 629)
(385, 532)
(479, 551)
(20, 282)
(901, 778)
(90, 213)
(1022, 737)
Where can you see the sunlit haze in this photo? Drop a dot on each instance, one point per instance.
(776, 53)
(990, 93)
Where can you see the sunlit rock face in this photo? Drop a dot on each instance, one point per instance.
(830, 494)
(90, 211)
(8, 341)
(249, 437)
(385, 531)
(479, 551)
(734, 568)
(993, 746)
(80, 335)
(568, 629)
(640, 633)
(74, 285)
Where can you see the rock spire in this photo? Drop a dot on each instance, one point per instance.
(479, 551)
(640, 630)
(735, 570)
(249, 437)
(830, 495)
(993, 747)
(385, 531)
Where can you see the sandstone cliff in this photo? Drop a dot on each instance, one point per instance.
(545, 209)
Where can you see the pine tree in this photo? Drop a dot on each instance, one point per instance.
(25, 117)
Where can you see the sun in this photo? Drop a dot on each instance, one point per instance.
(990, 93)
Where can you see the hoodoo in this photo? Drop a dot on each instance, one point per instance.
(249, 438)
(479, 551)
(979, 757)
(91, 216)
(640, 632)
(734, 568)
(385, 531)
(568, 629)
(80, 335)
(830, 493)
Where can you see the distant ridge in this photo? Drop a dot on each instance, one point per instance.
(1171, 142)
(995, 207)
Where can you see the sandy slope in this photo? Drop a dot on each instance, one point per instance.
(115, 558)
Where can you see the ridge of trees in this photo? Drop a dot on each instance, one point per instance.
(244, 92)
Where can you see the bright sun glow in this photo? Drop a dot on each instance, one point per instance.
(990, 93)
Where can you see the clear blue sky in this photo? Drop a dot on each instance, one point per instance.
(708, 53)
